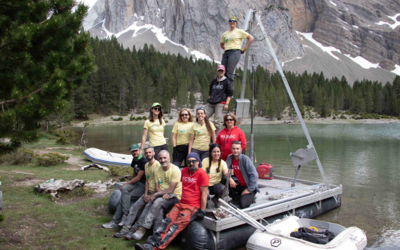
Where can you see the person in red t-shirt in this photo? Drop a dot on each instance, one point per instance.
(229, 134)
(191, 207)
(243, 184)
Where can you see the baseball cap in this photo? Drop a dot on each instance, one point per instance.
(156, 104)
(234, 18)
(221, 67)
(134, 147)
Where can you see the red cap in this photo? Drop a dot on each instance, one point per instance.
(221, 67)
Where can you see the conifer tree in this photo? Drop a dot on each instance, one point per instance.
(44, 55)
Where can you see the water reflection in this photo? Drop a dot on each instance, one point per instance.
(365, 159)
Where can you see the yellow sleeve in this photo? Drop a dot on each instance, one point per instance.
(176, 175)
(212, 126)
(223, 165)
(191, 130)
(222, 38)
(146, 124)
(204, 162)
(243, 34)
(175, 128)
(163, 122)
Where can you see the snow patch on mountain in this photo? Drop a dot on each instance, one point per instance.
(328, 50)
(89, 3)
(394, 18)
(397, 70)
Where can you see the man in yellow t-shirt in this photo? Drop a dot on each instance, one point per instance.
(231, 43)
(150, 188)
(168, 193)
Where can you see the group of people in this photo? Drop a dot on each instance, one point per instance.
(207, 152)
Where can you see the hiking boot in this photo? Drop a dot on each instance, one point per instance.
(128, 236)
(138, 235)
(122, 223)
(216, 202)
(110, 225)
(143, 246)
(124, 231)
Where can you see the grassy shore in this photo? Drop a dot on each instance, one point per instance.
(73, 221)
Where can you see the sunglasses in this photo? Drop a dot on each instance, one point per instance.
(237, 142)
(200, 108)
(232, 21)
(191, 161)
(229, 120)
(159, 109)
(184, 114)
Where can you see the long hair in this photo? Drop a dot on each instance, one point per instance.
(180, 118)
(212, 146)
(208, 125)
(160, 115)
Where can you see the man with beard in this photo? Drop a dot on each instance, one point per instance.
(169, 190)
(191, 207)
(131, 189)
(150, 188)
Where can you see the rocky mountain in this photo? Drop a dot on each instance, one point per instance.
(359, 31)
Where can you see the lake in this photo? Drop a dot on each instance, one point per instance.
(364, 158)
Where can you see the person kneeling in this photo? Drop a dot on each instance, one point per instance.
(168, 181)
(191, 207)
(215, 167)
(244, 188)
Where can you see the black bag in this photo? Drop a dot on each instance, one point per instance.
(313, 236)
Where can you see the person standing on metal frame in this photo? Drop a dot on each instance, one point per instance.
(231, 43)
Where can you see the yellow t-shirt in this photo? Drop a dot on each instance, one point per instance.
(150, 172)
(164, 179)
(156, 132)
(214, 176)
(202, 138)
(233, 39)
(182, 131)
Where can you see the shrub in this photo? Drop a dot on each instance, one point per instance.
(166, 121)
(144, 117)
(334, 118)
(78, 192)
(63, 140)
(20, 156)
(343, 117)
(171, 118)
(120, 171)
(279, 118)
(132, 118)
(51, 159)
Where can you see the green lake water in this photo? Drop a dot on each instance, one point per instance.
(365, 159)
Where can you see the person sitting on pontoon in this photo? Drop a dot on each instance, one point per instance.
(216, 168)
(150, 188)
(191, 207)
(243, 183)
(131, 190)
(169, 190)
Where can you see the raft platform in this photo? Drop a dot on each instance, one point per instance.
(277, 199)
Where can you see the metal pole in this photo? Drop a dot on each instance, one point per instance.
(311, 145)
(252, 112)
(247, 27)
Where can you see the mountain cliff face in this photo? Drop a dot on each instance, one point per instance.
(354, 27)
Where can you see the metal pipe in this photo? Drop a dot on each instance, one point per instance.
(252, 113)
(292, 98)
(241, 218)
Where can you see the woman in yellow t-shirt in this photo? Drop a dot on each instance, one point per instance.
(155, 127)
(181, 137)
(200, 134)
(215, 167)
(231, 43)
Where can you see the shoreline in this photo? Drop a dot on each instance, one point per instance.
(258, 120)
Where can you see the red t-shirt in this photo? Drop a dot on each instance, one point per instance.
(191, 184)
(226, 137)
(238, 173)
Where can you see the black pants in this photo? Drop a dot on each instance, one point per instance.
(179, 155)
(230, 59)
(157, 150)
(202, 154)
(217, 190)
(244, 200)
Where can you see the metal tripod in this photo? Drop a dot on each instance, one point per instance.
(301, 156)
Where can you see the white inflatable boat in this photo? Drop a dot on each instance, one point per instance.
(107, 158)
(277, 236)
